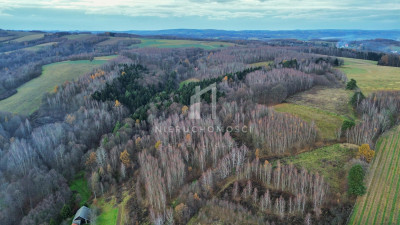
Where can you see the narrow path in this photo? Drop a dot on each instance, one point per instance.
(119, 216)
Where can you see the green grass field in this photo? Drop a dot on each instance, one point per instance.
(109, 213)
(122, 212)
(334, 100)
(29, 37)
(38, 47)
(80, 185)
(330, 162)
(6, 38)
(35, 47)
(115, 40)
(326, 122)
(263, 64)
(30, 94)
(190, 80)
(380, 205)
(164, 43)
(77, 36)
(21, 36)
(371, 77)
(158, 43)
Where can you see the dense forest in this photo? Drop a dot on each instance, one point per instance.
(126, 124)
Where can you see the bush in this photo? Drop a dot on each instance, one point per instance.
(52, 222)
(351, 85)
(116, 127)
(365, 153)
(356, 181)
(289, 63)
(347, 124)
(66, 211)
(357, 98)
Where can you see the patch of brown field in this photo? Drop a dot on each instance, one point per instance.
(335, 100)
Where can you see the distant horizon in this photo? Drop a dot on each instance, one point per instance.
(121, 31)
(237, 15)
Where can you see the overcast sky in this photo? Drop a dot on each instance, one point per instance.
(199, 14)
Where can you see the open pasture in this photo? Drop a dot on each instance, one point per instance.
(29, 95)
(370, 77)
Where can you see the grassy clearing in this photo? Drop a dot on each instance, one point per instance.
(115, 40)
(35, 47)
(335, 100)
(38, 47)
(6, 38)
(327, 122)
(371, 77)
(330, 162)
(30, 37)
(216, 214)
(327, 107)
(17, 36)
(263, 64)
(109, 213)
(157, 43)
(188, 81)
(164, 43)
(80, 185)
(77, 36)
(380, 204)
(29, 95)
(108, 57)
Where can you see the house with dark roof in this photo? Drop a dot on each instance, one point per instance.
(82, 216)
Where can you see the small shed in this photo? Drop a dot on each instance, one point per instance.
(82, 216)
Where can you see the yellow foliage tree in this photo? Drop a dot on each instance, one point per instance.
(138, 140)
(91, 160)
(196, 196)
(188, 137)
(117, 103)
(158, 144)
(70, 119)
(101, 171)
(179, 209)
(184, 109)
(257, 153)
(124, 156)
(55, 89)
(225, 78)
(99, 73)
(364, 152)
(109, 169)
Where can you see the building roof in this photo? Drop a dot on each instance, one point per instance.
(82, 213)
